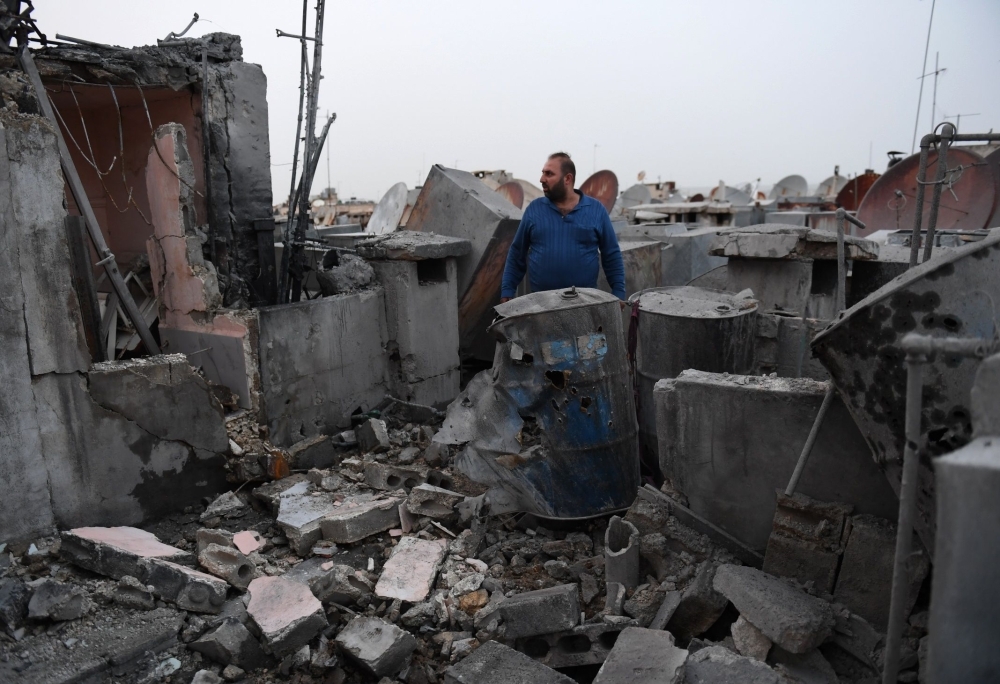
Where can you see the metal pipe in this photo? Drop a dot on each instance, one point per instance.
(925, 147)
(947, 131)
(172, 35)
(282, 34)
(811, 440)
(841, 262)
(88, 43)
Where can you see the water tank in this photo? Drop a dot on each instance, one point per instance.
(689, 327)
(551, 427)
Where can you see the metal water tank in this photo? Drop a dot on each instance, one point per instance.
(551, 427)
(681, 328)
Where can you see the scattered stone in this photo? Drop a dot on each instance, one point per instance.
(248, 541)
(588, 588)
(542, 611)
(206, 676)
(331, 582)
(410, 571)
(643, 606)
(671, 600)
(286, 612)
(467, 584)
(231, 643)
(808, 668)
(300, 515)
(378, 646)
(788, 616)
(655, 550)
(227, 505)
(749, 640)
(206, 536)
(557, 569)
(408, 455)
(354, 521)
(437, 454)
(494, 663)
(131, 593)
(14, 599)
(642, 656)
(56, 601)
(719, 665)
(116, 551)
(433, 502)
(471, 602)
(372, 436)
(227, 563)
(165, 669)
(231, 673)
(312, 452)
(701, 605)
(190, 589)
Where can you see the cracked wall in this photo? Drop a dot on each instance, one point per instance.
(112, 444)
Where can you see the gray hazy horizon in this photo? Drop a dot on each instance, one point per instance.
(685, 91)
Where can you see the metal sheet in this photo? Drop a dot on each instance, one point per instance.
(855, 190)
(389, 210)
(602, 186)
(552, 426)
(967, 205)
(955, 293)
(513, 192)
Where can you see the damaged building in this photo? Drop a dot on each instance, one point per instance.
(775, 464)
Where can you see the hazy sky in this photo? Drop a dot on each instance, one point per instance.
(688, 91)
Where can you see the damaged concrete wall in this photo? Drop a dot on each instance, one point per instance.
(320, 361)
(146, 441)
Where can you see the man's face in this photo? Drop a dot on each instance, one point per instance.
(553, 181)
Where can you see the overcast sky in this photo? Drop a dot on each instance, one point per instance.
(688, 91)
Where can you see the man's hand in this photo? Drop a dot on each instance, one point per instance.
(504, 300)
(621, 303)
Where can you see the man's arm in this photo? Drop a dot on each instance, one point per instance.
(517, 260)
(611, 258)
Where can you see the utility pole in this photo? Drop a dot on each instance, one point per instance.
(920, 97)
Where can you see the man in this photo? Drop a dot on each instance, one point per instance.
(563, 239)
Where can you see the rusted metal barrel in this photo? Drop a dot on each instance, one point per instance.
(683, 328)
(552, 426)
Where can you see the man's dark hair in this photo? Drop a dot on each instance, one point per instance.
(566, 164)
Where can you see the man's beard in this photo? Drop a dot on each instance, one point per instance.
(556, 192)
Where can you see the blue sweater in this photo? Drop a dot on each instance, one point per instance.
(561, 251)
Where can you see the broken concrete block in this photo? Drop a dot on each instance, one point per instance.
(494, 663)
(388, 478)
(853, 634)
(437, 454)
(408, 455)
(788, 616)
(312, 452)
(809, 667)
(555, 609)
(227, 505)
(433, 502)
(330, 582)
(621, 553)
(300, 515)
(188, 588)
(409, 573)
(206, 536)
(350, 274)
(372, 435)
(671, 600)
(380, 647)
(864, 584)
(749, 640)
(206, 677)
(227, 563)
(132, 593)
(353, 522)
(700, 606)
(247, 541)
(642, 656)
(286, 612)
(582, 645)
(14, 598)
(717, 664)
(56, 601)
(806, 540)
(231, 643)
(409, 245)
(116, 551)
(643, 606)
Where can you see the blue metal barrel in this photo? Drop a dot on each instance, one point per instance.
(552, 425)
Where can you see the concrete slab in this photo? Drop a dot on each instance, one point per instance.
(300, 515)
(353, 522)
(642, 656)
(116, 551)
(379, 647)
(190, 589)
(286, 612)
(719, 665)
(410, 245)
(409, 573)
(494, 663)
(542, 611)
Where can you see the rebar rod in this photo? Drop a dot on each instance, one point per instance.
(810, 440)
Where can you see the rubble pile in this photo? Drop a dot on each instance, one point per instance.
(387, 566)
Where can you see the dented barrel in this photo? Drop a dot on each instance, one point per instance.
(681, 328)
(551, 427)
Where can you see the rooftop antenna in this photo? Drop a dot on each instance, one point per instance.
(935, 73)
(923, 70)
(958, 119)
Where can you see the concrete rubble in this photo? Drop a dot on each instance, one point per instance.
(339, 489)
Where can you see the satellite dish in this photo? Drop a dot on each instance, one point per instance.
(790, 186)
(636, 195)
(389, 210)
(513, 192)
(531, 192)
(831, 186)
(736, 197)
(317, 203)
(603, 186)
(855, 189)
(642, 176)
